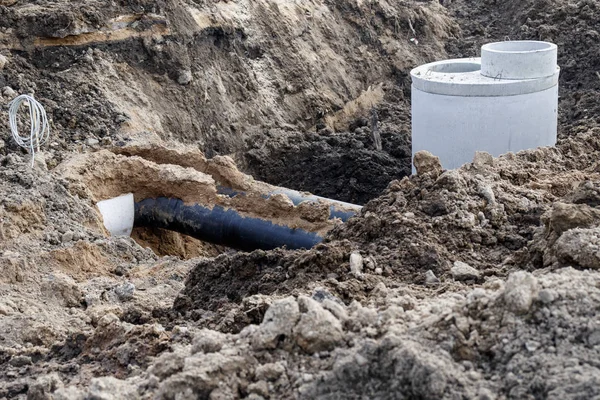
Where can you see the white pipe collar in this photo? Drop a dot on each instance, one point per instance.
(118, 214)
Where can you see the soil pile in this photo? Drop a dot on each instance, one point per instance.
(486, 215)
(531, 336)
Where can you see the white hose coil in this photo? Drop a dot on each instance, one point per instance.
(39, 129)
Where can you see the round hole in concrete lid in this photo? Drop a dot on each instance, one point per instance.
(455, 67)
(521, 59)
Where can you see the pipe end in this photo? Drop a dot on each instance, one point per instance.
(118, 214)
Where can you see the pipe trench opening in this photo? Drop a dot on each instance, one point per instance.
(204, 207)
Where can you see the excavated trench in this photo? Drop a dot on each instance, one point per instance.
(165, 98)
(345, 165)
(224, 82)
(187, 205)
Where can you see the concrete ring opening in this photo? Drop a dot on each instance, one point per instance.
(527, 59)
(455, 67)
(521, 46)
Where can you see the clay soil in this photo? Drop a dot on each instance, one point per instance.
(477, 283)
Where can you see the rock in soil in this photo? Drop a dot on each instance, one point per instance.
(462, 272)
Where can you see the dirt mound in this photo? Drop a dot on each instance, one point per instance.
(516, 334)
(484, 215)
(57, 269)
(527, 337)
(481, 214)
(232, 278)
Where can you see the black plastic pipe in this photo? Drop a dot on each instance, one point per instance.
(337, 209)
(220, 226)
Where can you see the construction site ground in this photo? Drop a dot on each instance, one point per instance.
(476, 283)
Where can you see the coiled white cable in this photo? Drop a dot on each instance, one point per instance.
(39, 130)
